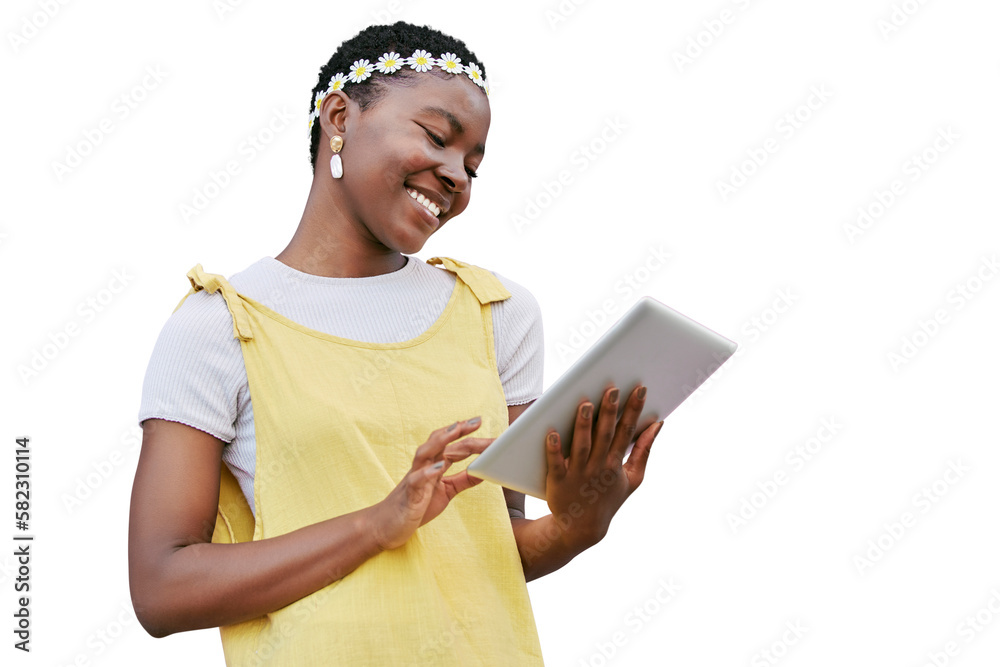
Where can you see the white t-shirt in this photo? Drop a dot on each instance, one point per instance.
(196, 374)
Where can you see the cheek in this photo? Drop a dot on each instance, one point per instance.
(389, 154)
(460, 204)
(413, 160)
(393, 170)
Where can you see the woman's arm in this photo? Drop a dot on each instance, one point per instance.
(180, 580)
(540, 543)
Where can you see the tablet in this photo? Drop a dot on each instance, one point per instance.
(652, 344)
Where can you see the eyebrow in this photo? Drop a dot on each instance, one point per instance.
(454, 122)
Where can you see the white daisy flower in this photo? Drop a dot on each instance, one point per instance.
(389, 63)
(360, 70)
(486, 85)
(451, 63)
(420, 61)
(320, 96)
(337, 82)
(476, 74)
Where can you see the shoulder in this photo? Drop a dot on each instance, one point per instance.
(197, 341)
(195, 371)
(200, 314)
(517, 321)
(521, 298)
(522, 303)
(258, 281)
(517, 326)
(261, 280)
(200, 326)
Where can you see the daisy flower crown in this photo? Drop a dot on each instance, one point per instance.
(390, 62)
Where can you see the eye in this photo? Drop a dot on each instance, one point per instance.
(439, 142)
(435, 138)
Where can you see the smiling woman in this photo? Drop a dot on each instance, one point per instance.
(315, 524)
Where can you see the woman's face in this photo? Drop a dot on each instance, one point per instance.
(423, 139)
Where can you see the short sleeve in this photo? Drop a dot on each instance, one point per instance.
(194, 371)
(517, 328)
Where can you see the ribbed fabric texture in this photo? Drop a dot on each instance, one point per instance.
(196, 373)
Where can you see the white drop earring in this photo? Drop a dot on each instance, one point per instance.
(336, 164)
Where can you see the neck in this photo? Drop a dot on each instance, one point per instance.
(330, 243)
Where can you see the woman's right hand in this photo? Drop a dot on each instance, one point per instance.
(424, 492)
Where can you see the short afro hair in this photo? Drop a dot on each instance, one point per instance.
(401, 37)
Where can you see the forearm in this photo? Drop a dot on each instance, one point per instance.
(545, 546)
(204, 585)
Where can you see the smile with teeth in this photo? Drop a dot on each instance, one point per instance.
(427, 203)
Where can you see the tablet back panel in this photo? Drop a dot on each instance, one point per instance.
(651, 344)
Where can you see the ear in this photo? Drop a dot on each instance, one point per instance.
(334, 112)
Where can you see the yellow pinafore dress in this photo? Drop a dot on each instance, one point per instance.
(337, 424)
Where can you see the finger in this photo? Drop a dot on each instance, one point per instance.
(580, 446)
(460, 482)
(463, 448)
(635, 467)
(554, 457)
(604, 429)
(432, 449)
(420, 484)
(627, 426)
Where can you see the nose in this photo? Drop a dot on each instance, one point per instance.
(454, 177)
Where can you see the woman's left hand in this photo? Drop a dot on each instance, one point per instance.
(585, 490)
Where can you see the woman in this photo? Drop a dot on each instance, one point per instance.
(333, 535)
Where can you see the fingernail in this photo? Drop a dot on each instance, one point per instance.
(613, 396)
(452, 427)
(438, 465)
(474, 421)
(657, 431)
(641, 394)
(585, 412)
(551, 440)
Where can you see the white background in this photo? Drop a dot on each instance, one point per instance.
(663, 135)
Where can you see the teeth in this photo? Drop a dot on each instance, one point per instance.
(428, 204)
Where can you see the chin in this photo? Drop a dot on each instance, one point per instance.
(411, 246)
